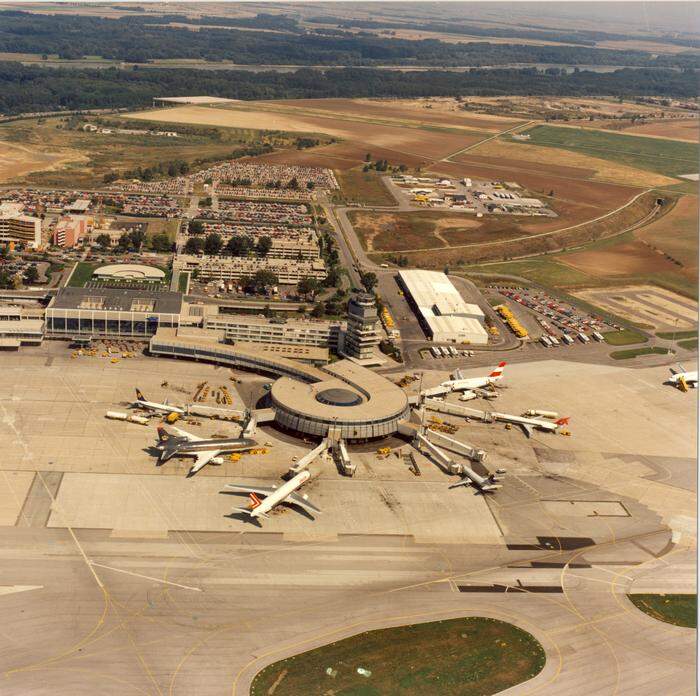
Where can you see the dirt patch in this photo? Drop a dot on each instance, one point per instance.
(18, 160)
(394, 231)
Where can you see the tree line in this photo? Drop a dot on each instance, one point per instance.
(135, 39)
(25, 89)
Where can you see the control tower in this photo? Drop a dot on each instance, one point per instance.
(363, 332)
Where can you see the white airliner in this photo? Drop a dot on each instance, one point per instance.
(690, 378)
(274, 496)
(471, 383)
(153, 406)
(529, 425)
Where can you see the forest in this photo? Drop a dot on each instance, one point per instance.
(136, 39)
(29, 89)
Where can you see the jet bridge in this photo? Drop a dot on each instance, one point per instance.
(471, 477)
(304, 462)
(449, 443)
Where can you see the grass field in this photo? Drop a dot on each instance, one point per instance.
(467, 657)
(667, 157)
(676, 609)
(689, 344)
(677, 335)
(368, 188)
(637, 352)
(81, 274)
(624, 338)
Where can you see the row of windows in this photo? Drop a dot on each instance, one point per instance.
(101, 326)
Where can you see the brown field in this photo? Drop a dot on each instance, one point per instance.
(341, 156)
(428, 111)
(676, 234)
(404, 140)
(628, 258)
(17, 160)
(676, 129)
(561, 163)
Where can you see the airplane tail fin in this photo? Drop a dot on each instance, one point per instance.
(254, 501)
(497, 372)
(139, 395)
(163, 434)
(563, 421)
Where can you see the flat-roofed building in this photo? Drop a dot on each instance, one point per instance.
(252, 329)
(18, 228)
(441, 310)
(288, 272)
(115, 312)
(20, 326)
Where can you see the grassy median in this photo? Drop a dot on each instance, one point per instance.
(676, 609)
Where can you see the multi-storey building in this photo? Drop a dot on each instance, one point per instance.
(18, 228)
(363, 330)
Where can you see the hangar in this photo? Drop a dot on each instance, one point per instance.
(441, 310)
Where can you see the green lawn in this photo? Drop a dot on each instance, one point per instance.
(626, 337)
(677, 609)
(472, 656)
(636, 352)
(677, 335)
(668, 157)
(689, 344)
(81, 274)
(182, 281)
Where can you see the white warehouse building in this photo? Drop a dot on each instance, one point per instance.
(441, 310)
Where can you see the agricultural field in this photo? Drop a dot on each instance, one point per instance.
(431, 143)
(666, 157)
(472, 657)
(577, 165)
(357, 186)
(675, 129)
(57, 152)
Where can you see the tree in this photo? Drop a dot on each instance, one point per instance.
(196, 227)
(293, 183)
(310, 185)
(160, 242)
(213, 244)
(124, 242)
(318, 311)
(104, 240)
(368, 157)
(31, 275)
(369, 281)
(308, 286)
(264, 279)
(239, 245)
(194, 245)
(264, 245)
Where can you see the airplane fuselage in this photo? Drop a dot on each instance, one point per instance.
(280, 494)
(153, 406)
(232, 444)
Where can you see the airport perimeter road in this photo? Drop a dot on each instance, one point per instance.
(119, 577)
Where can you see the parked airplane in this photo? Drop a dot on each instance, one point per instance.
(680, 377)
(530, 424)
(274, 496)
(472, 383)
(153, 406)
(204, 450)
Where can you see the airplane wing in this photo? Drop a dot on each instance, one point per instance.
(527, 428)
(188, 436)
(244, 488)
(303, 501)
(202, 459)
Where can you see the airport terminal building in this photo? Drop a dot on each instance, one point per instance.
(113, 312)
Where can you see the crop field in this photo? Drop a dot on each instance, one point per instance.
(48, 152)
(472, 657)
(357, 186)
(676, 129)
(407, 111)
(404, 139)
(667, 157)
(563, 163)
